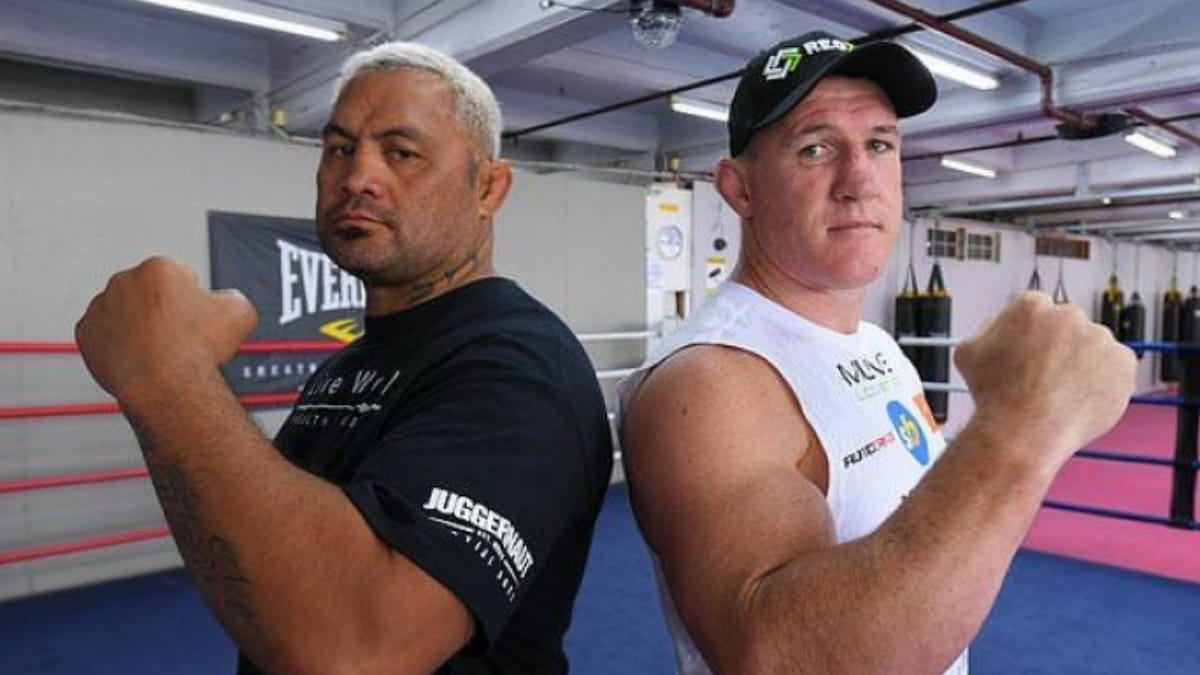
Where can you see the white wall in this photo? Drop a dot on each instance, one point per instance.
(81, 198)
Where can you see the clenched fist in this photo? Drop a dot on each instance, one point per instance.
(154, 323)
(1047, 376)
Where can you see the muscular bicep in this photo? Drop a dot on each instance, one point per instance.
(714, 445)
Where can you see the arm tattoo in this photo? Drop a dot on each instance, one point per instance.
(212, 561)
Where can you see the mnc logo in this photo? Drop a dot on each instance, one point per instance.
(910, 433)
(866, 369)
(868, 376)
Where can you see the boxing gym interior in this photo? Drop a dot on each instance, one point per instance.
(1062, 155)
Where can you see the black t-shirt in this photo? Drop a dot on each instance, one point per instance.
(471, 434)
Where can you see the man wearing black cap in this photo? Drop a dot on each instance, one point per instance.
(805, 512)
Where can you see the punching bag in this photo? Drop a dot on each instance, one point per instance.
(1172, 305)
(906, 313)
(1111, 303)
(933, 320)
(1132, 323)
(1187, 316)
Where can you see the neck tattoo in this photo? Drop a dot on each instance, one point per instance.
(425, 288)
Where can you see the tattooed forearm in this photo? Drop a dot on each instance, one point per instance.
(212, 560)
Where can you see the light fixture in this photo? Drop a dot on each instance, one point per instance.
(655, 22)
(1150, 144)
(956, 72)
(709, 111)
(1177, 215)
(253, 14)
(968, 167)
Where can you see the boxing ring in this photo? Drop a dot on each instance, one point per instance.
(158, 623)
(267, 401)
(1184, 464)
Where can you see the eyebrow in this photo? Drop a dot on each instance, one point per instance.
(817, 128)
(334, 129)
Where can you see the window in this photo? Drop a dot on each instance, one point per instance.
(944, 243)
(960, 244)
(983, 246)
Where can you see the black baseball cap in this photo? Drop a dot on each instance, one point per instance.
(780, 77)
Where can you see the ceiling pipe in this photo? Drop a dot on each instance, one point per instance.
(886, 34)
(1080, 121)
(717, 8)
(1164, 124)
(1023, 140)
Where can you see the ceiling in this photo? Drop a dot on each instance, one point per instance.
(549, 64)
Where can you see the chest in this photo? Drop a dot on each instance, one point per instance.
(340, 415)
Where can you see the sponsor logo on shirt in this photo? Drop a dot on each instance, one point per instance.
(909, 431)
(869, 376)
(494, 538)
(869, 449)
(342, 399)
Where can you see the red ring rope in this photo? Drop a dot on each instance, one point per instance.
(51, 550)
(246, 348)
(43, 482)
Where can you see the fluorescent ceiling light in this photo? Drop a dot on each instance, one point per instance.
(1177, 215)
(1150, 144)
(967, 76)
(709, 111)
(270, 18)
(967, 167)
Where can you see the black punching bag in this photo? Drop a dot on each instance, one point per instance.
(906, 313)
(1187, 316)
(1133, 321)
(933, 320)
(1172, 304)
(1111, 303)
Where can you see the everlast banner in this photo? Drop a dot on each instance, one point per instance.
(300, 295)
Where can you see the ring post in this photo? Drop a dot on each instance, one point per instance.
(1183, 484)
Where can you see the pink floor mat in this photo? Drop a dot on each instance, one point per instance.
(1156, 549)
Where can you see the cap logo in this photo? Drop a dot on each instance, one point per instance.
(781, 64)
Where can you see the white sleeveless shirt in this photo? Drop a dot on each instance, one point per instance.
(858, 392)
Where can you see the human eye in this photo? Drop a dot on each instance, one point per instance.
(338, 149)
(400, 153)
(813, 151)
(880, 146)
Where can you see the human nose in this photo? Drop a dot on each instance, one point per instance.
(858, 177)
(363, 174)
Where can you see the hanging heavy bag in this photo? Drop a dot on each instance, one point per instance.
(906, 313)
(1132, 325)
(933, 320)
(1172, 305)
(1187, 316)
(1112, 300)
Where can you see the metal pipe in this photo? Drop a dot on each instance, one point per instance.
(717, 8)
(1019, 141)
(1044, 73)
(886, 34)
(1164, 125)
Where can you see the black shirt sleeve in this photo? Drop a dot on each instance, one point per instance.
(477, 478)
